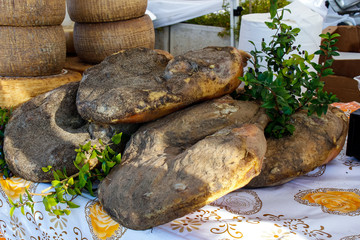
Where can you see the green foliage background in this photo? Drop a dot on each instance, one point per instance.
(222, 18)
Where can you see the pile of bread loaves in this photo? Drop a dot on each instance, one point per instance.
(189, 142)
(33, 50)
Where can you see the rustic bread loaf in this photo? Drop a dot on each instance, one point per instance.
(139, 85)
(184, 161)
(47, 129)
(315, 142)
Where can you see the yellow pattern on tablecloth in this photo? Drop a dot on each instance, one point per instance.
(14, 186)
(103, 226)
(335, 200)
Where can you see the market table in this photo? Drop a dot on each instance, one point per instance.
(323, 204)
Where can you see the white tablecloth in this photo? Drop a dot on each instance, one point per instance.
(324, 204)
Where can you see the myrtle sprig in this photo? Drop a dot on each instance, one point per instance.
(4, 119)
(93, 163)
(288, 71)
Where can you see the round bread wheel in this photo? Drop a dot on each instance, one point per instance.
(74, 63)
(32, 51)
(31, 12)
(96, 11)
(95, 41)
(17, 90)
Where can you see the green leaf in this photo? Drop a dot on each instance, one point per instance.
(22, 209)
(71, 181)
(295, 30)
(77, 190)
(271, 26)
(87, 146)
(66, 211)
(60, 196)
(287, 110)
(32, 209)
(11, 201)
(85, 168)
(52, 201)
(79, 157)
(46, 169)
(90, 188)
(56, 176)
(335, 35)
(110, 164)
(270, 104)
(93, 155)
(72, 205)
(12, 211)
(71, 191)
(60, 174)
(82, 180)
(110, 150)
(273, 8)
(58, 212)
(324, 36)
(103, 167)
(326, 72)
(319, 52)
(116, 139)
(46, 203)
(28, 195)
(55, 183)
(328, 63)
(290, 128)
(118, 158)
(280, 52)
(77, 166)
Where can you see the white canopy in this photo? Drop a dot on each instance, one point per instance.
(175, 11)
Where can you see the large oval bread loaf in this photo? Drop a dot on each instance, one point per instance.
(32, 51)
(315, 142)
(32, 12)
(183, 161)
(96, 11)
(95, 41)
(140, 85)
(47, 129)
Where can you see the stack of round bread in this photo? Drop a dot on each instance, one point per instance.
(103, 27)
(33, 49)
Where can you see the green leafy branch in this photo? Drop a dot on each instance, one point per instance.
(291, 81)
(93, 164)
(4, 119)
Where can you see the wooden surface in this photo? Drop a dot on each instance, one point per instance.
(17, 90)
(74, 63)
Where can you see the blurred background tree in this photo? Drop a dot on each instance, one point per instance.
(222, 17)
